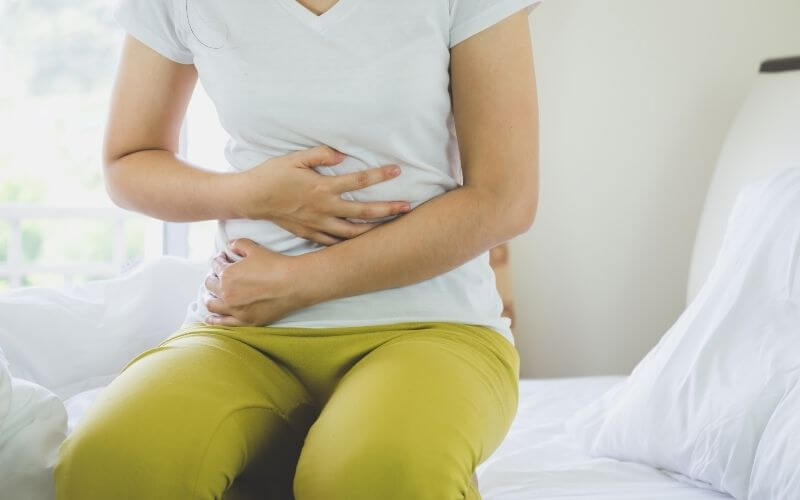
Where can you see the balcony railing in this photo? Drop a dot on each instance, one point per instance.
(15, 267)
(165, 238)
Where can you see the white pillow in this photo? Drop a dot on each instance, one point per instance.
(700, 400)
(33, 423)
(776, 471)
(77, 338)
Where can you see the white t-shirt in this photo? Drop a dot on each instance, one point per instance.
(369, 78)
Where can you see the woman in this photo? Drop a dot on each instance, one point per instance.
(347, 342)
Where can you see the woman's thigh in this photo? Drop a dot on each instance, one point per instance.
(413, 418)
(183, 420)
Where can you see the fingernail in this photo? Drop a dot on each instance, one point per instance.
(406, 208)
(395, 170)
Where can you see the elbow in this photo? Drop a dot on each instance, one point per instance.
(110, 184)
(521, 206)
(514, 212)
(117, 174)
(513, 205)
(524, 214)
(526, 201)
(113, 181)
(115, 196)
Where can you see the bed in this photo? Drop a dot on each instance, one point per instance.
(539, 459)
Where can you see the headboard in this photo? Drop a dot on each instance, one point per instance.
(764, 138)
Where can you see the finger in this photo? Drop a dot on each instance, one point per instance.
(323, 238)
(345, 229)
(219, 263)
(310, 233)
(359, 180)
(214, 319)
(318, 155)
(218, 306)
(213, 285)
(366, 210)
(243, 246)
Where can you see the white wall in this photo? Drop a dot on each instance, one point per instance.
(636, 97)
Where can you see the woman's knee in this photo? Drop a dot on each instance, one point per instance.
(97, 461)
(116, 458)
(112, 459)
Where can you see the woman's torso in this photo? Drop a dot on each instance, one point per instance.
(369, 78)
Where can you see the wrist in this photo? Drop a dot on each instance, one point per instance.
(234, 195)
(312, 276)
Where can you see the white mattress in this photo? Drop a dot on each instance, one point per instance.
(537, 460)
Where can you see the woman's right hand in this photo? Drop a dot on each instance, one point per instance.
(287, 191)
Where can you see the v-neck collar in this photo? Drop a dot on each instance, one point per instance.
(319, 22)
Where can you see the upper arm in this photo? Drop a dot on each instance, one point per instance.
(495, 108)
(148, 101)
(155, 78)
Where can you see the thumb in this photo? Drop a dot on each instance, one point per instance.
(318, 155)
(242, 246)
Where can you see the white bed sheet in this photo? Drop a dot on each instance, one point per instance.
(538, 460)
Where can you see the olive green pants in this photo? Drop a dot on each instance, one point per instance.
(399, 411)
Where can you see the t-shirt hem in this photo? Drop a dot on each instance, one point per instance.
(505, 333)
(488, 18)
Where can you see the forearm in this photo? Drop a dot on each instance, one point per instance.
(434, 238)
(158, 183)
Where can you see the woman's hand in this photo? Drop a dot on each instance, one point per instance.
(289, 192)
(259, 289)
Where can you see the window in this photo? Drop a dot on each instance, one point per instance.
(57, 223)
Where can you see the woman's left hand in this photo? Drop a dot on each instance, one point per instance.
(259, 289)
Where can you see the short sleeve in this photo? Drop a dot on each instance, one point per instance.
(468, 17)
(156, 24)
